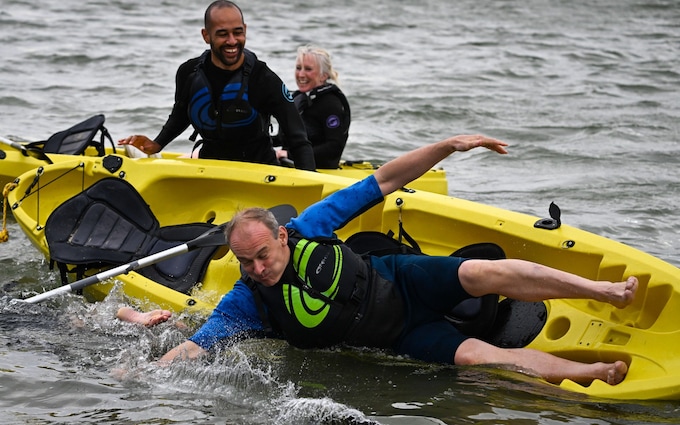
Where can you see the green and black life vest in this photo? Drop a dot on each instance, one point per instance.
(328, 295)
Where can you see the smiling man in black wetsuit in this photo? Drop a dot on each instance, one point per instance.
(228, 96)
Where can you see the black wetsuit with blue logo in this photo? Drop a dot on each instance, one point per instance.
(231, 111)
(326, 114)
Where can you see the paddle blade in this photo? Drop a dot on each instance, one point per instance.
(216, 236)
(213, 237)
(283, 213)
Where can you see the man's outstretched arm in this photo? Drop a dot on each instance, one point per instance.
(402, 170)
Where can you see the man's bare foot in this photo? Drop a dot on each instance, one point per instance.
(150, 318)
(616, 372)
(623, 293)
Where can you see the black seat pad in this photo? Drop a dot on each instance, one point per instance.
(109, 224)
(477, 316)
(474, 316)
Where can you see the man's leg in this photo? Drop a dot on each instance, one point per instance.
(527, 281)
(537, 363)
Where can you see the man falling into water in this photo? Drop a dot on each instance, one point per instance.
(320, 294)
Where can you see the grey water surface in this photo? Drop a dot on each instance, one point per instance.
(585, 92)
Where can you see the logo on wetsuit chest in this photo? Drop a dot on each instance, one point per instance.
(321, 264)
(286, 93)
(308, 308)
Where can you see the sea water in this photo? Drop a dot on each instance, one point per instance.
(585, 93)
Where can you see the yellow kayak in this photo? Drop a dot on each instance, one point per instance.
(17, 157)
(13, 163)
(646, 334)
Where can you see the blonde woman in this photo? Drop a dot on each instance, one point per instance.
(322, 105)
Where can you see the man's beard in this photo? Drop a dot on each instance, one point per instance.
(223, 60)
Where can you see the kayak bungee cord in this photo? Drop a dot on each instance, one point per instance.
(36, 180)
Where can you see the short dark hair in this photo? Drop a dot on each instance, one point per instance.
(219, 4)
(258, 214)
